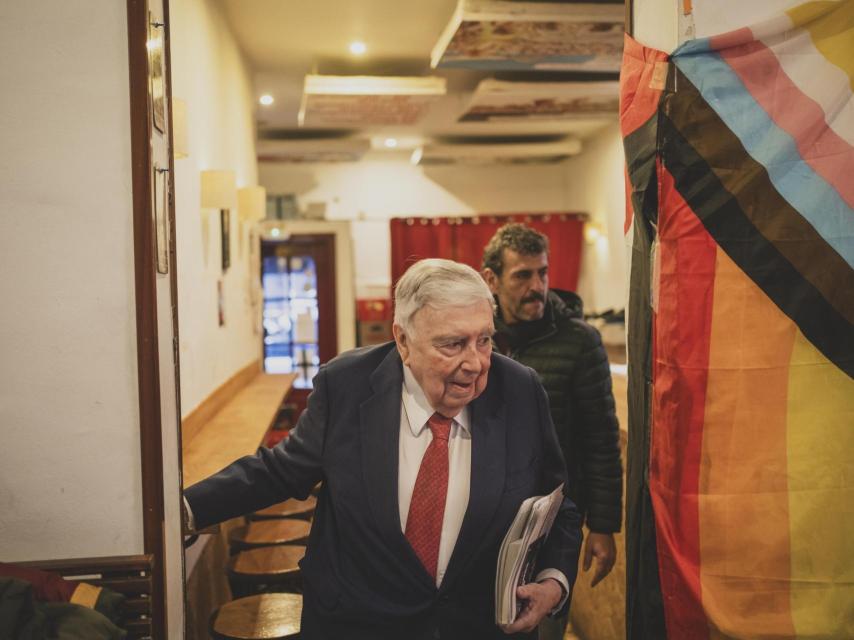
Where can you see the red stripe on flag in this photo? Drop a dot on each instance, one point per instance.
(792, 110)
(638, 100)
(681, 341)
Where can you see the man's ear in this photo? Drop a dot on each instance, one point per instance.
(402, 342)
(491, 279)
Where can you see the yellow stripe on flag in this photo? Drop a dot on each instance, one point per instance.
(831, 27)
(821, 494)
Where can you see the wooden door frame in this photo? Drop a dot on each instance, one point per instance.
(327, 337)
(145, 276)
(630, 17)
(326, 296)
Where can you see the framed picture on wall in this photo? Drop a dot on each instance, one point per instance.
(161, 217)
(156, 73)
(220, 304)
(225, 235)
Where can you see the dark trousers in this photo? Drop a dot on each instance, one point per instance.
(316, 626)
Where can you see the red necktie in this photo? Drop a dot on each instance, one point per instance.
(427, 508)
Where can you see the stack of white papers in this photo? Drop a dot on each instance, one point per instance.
(518, 554)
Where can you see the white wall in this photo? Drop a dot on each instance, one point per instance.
(595, 184)
(170, 420)
(70, 479)
(661, 25)
(211, 77)
(713, 17)
(386, 185)
(656, 23)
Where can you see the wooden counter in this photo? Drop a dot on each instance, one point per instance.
(231, 423)
(237, 429)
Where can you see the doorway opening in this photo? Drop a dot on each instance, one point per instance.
(298, 280)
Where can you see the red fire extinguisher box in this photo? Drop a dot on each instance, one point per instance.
(373, 320)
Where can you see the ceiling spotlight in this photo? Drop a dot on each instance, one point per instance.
(266, 99)
(358, 48)
(391, 143)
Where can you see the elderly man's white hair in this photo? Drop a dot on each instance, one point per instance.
(439, 284)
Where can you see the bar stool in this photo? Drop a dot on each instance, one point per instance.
(264, 533)
(293, 508)
(269, 616)
(265, 569)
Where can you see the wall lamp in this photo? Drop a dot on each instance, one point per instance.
(252, 204)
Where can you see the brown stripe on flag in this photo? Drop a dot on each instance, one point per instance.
(748, 182)
(716, 198)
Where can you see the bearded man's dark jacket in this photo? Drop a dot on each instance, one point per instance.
(568, 356)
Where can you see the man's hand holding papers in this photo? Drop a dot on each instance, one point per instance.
(519, 603)
(539, 598)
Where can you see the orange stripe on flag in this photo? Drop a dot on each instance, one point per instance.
(744, 511)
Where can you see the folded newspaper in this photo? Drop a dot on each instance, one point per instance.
(518, 555)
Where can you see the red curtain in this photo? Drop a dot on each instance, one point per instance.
(463, 239)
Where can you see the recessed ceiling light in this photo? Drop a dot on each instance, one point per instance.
(358, 48)
(266, 100)
(391, 143)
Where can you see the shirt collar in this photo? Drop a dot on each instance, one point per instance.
(418, 409)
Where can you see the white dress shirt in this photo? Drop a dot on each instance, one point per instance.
(415, 437)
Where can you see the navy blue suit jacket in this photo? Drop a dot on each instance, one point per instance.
(361, 578)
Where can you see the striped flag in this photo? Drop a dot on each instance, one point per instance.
(740, 170)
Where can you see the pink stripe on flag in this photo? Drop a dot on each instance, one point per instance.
(795, 112)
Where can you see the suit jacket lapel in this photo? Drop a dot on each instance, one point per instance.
(488, 461)
(379, 418)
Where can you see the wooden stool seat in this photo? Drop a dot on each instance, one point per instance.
(269, 616)
(266, 569)
(292, 508)
(267, 562)
(263, 533)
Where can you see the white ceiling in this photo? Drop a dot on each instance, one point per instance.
(283, 40)
(290, 35)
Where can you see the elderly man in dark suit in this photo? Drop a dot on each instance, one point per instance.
(426, 447)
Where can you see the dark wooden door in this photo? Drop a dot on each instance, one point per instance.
(298, 279)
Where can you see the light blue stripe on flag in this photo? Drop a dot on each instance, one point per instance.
(816, 200)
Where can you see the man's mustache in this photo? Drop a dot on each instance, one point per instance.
(534, 297)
